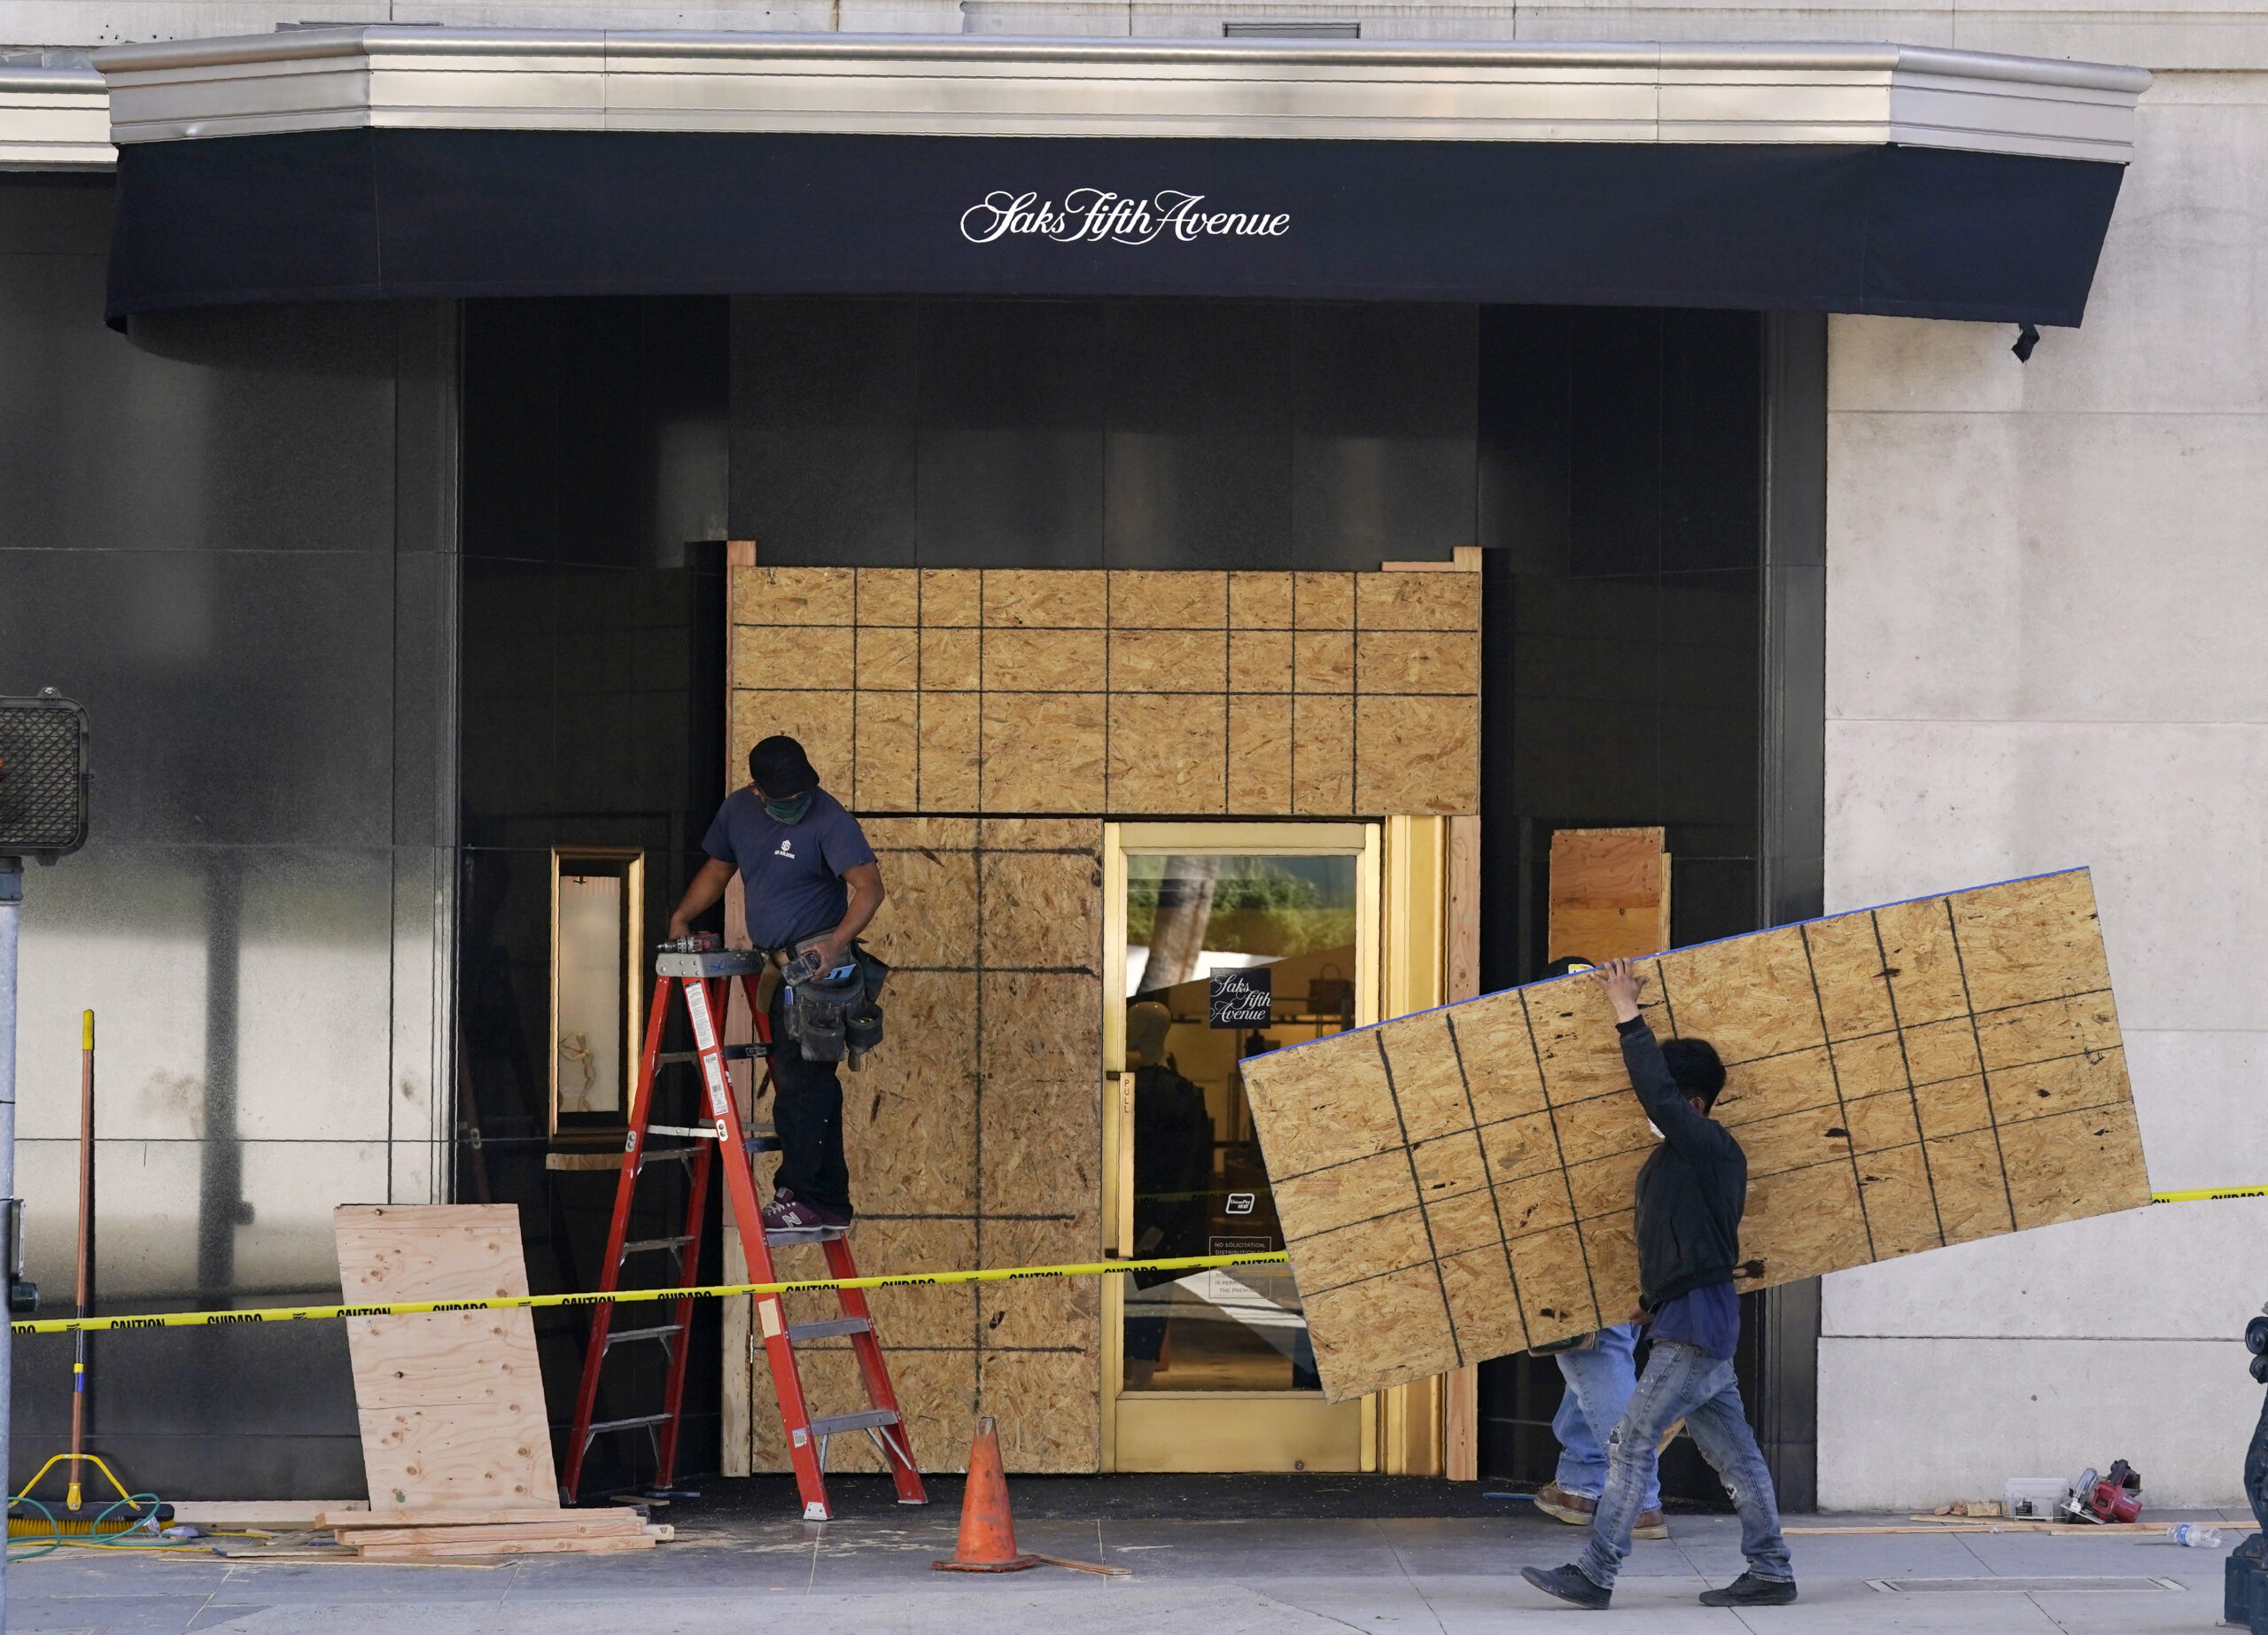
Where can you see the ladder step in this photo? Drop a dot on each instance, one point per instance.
(665, 1155)
(799, 1333)
(732, 1053)
(692, 1132)
(640, 1423)
(870, 1419)
(640, 1245)
(777, 1235)
(622, 1336)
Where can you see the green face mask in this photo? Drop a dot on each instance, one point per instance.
(791, 810)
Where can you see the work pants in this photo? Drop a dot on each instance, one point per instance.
(807, 1114)
(1599, 1379)
(1684, 1383)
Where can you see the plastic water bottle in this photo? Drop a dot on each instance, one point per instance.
(2191, 1536)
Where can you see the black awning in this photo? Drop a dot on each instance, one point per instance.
(378, 214)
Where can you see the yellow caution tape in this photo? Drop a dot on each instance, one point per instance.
(900, 1279)
(504, 1303)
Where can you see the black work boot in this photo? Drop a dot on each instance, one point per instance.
(1569, 1584)
(1748, 1590)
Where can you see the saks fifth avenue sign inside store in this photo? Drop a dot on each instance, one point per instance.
(1093, 215)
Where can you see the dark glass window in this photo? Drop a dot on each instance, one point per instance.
(1159, 434)
(1621, 492)
(593, 687)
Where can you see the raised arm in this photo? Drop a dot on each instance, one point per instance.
(1682, 1125)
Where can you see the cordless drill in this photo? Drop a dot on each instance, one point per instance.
(805, 967)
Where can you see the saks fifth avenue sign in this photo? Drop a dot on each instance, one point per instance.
(1093, 215)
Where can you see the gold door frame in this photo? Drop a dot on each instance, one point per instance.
(633, 1020)
(1406, 1433)
(1220, 1430)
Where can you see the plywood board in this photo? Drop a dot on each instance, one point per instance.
(1417, 755)
(349, 1517)
(269, 1514)
(474, 1547)
(974, 1138)
(1610, 894)
(1458, 1185)
(1029, 690)
(451, 1403)
(622, 1523)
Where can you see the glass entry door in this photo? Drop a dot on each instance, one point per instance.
(1224, 941)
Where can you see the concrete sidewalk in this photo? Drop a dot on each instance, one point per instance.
(1435, 1576)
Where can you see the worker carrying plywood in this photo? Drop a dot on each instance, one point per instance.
(812, 886)
(1690, 1195)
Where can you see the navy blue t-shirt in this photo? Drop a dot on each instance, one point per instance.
(793, 871)
(1707, 1319)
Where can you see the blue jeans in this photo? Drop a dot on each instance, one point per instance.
(1681, 1382)
(1599, 1383)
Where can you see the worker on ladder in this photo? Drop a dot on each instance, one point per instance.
(812, 886)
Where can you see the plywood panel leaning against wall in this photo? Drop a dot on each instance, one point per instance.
(1457, 1185)
(1195, 694)
(1610, 894)
(451, 1403)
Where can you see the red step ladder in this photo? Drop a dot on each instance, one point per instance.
(701, 981)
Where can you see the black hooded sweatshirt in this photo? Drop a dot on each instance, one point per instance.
(1692, 1192)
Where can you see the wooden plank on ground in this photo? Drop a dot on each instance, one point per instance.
(503, 1534)
(451, 1403)
(277, 1514)
(444, 1548)
(1457, 1185)
(350, 1520)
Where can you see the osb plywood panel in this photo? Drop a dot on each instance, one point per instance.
(1458, 1185)
(974, 1138)
(1610, 894)
(451, 1403)
(1194, 693)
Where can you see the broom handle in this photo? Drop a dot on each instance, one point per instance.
(86, 1242)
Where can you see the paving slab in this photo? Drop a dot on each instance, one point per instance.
(1430, 1575)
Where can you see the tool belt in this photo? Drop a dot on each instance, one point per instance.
(831, 1017)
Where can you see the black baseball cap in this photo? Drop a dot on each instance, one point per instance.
(778, 767)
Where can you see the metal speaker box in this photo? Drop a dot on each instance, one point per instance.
(42, 777)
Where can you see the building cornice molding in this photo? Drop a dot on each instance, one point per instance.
(54, 119)
(438, 78)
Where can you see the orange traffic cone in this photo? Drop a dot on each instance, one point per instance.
(987, 1532)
